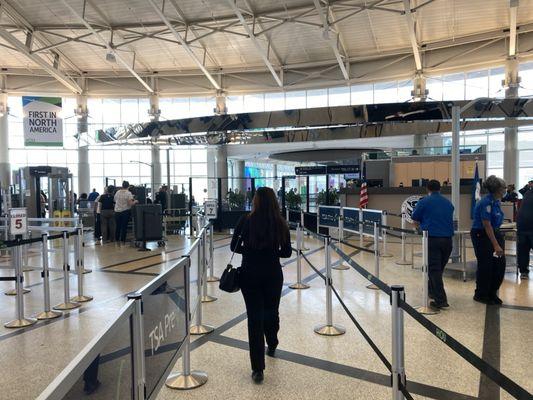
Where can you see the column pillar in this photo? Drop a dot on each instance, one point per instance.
(511, 153)
(220, 108)
(239, 173)
(217, 167)
(84, 172)
(155, 175)
(275, 183)
(5, 167)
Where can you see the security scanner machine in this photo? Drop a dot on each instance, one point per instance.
(54, 182)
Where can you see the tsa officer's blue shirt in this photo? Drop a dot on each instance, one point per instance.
(488, 209)
(435, 215)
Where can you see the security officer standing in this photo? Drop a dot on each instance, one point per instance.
(489, 243)
(524, 234)
(434, 213)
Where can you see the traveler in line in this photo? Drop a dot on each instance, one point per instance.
(510, 195)
(106, 205)
(93, 195)
(527, 188)
(262, 237)
(434, 213)
(161, 197)
(123, 202)
(489, 243)
(524, 232)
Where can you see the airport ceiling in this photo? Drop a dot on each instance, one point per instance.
(187, 47)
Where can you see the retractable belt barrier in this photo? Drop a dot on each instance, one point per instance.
(398, 377)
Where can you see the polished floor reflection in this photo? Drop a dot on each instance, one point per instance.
(307, 365)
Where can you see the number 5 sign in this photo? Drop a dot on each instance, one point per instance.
(18, 222)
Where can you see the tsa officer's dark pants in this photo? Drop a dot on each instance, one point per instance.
(490, 269)
(439, 250)
(121, 229)
(262, 293)
(524, 244)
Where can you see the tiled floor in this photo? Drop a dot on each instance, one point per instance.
(307, 366)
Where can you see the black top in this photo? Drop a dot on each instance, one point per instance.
(107, 201)
(161, 198)
(524, 219)
(257, 257)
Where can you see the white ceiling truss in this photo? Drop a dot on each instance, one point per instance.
(201, 46)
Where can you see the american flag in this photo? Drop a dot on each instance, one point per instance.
(363, 196)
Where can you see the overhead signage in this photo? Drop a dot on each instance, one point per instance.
(18, 221)
(313, 170)
(342, 169)
(329, 169)
(210, 209)
(43, 125)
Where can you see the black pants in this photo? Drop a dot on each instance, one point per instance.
(490, 270)
(262, 294)
(97, 226)
(440, 249)
(122, 220)
(524, 244)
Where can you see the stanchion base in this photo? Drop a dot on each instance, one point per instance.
(28, 269)
(87, 271)
(299, 286)
(20, 323)
(341, 267)
(427, 310)
(48, 315)
(330, 330)
(208, 299)
(144, 249)
(372, 287)
(185, 382)
(14, 292)
(385, 255)
(81, 299)
(211, 279)
(201, 329)
(402, 262)
(67, 306)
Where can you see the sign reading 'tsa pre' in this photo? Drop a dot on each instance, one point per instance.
(18, 221)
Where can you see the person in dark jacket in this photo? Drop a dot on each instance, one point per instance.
(489, 243)
(524, 232)
(527, 188)
(262, 237)
(161, 197)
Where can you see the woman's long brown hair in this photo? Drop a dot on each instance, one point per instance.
(268, 229)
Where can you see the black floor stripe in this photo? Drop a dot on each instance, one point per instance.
(349, 371)
(489, 390)
(520, 308)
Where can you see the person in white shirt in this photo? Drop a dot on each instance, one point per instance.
(123, 202)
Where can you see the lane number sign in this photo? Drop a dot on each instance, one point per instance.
(18, 222)
(210, 209)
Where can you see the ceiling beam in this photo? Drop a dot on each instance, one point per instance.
(411, 26)
(54, 72)
(513, 10)
(255, 42)
(108, 46)
(185, 45)
(331, 41)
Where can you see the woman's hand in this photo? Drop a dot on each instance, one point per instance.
(498, 250)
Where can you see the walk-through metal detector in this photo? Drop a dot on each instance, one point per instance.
(55, 182)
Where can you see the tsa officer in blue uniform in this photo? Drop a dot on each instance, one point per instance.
(488, 242)
(434, 213)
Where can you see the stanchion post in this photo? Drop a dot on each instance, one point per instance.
(302, 225)
(425, 308)
(376, 256)
(212, 277)
(463, 254)
(20, 321)
(67, 303)
(186, 379)
(78, 251)
(82, 250)
(299, 243)
(45, 274)
(138, 347)
(403, 260)
(205, 297)
(361, 227)
(384, 222)
(329, 329)
(398, 358)
(341, 266)
(199, 328)
(287, 215)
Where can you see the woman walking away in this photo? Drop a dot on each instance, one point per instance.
(489, 244)
(262, 237)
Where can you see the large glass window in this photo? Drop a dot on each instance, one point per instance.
(362, 94)
(317, 98)
(453, 87)
(339, 96)
(386, 92)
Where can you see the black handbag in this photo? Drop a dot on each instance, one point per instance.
(229, 281)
